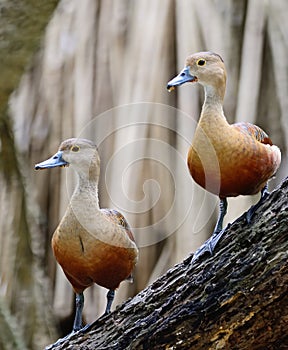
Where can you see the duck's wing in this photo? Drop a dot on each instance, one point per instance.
(118, 219)
(254, 131)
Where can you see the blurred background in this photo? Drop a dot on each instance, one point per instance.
(100, 72)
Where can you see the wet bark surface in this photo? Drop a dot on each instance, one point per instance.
(235, 299)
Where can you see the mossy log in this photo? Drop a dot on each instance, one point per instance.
(235, 299)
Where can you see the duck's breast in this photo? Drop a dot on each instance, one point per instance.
(232, 161)
(86, 260)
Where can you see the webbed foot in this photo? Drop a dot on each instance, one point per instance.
(250, 213)
(60, 341)
(209, 245)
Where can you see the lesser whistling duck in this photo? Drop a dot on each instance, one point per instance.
(92, 245)
(227, 160)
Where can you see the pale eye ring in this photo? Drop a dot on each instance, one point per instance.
(201, 62)
(75, 148)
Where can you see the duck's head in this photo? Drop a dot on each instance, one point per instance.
(205, 68)
(81, 154)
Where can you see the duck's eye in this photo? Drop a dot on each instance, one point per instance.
(75, 148)
(201, 62)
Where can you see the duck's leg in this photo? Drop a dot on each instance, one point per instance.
(218, 231)
(210, 244)
(110, 298)
(78, 315)
(222, 212)
(77, 325)
(251, 211)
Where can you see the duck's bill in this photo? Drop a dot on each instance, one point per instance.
(183, 77)
(52, 162)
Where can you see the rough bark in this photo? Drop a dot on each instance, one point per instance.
(236, 299)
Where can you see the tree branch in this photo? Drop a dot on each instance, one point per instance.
(234, 299)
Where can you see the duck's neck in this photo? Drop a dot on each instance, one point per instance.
(212, 109)
(86, 190)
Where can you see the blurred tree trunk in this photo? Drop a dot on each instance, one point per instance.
(22, 24)
(236, 299)
(25, 317)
